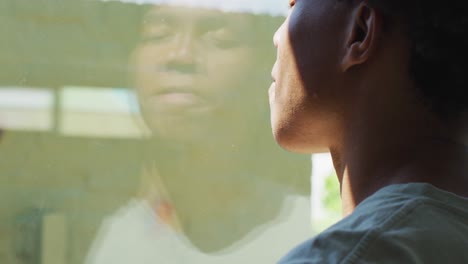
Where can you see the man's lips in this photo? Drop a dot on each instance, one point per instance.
(273, 73)
(271, 92)
(175, 90)
(179, 98)
(176, 98)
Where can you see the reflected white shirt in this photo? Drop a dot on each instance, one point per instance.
(135, 235)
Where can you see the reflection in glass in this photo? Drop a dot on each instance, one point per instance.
(26, 108)
(179, 167)
(200, 75)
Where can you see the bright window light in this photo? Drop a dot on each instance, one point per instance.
(100, 112)
(26, 108)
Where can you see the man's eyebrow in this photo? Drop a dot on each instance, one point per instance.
(234, 22)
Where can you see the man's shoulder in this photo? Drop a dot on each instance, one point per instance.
(347, 240)
(403, 224)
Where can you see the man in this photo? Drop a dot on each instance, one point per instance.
(381, 85)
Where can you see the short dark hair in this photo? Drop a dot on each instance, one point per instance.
(439, 49)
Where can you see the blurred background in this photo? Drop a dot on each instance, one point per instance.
(139, 133)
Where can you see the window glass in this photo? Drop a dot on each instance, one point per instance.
(26, 108)
(137, 132)
(100, 112)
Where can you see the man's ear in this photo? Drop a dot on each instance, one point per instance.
(362, 37)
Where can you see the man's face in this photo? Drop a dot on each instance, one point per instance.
(188, 67)
(307, 94)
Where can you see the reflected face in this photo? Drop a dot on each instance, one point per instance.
(306, 93)
(187, 68)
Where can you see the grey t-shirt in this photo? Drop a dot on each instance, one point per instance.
(404, 223)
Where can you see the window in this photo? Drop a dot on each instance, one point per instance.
(135, 132)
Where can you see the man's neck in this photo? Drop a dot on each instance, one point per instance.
(381, 149)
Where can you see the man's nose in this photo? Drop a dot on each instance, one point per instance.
(182, 57)
(276, 36)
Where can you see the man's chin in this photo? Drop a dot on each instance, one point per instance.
(293, 141)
